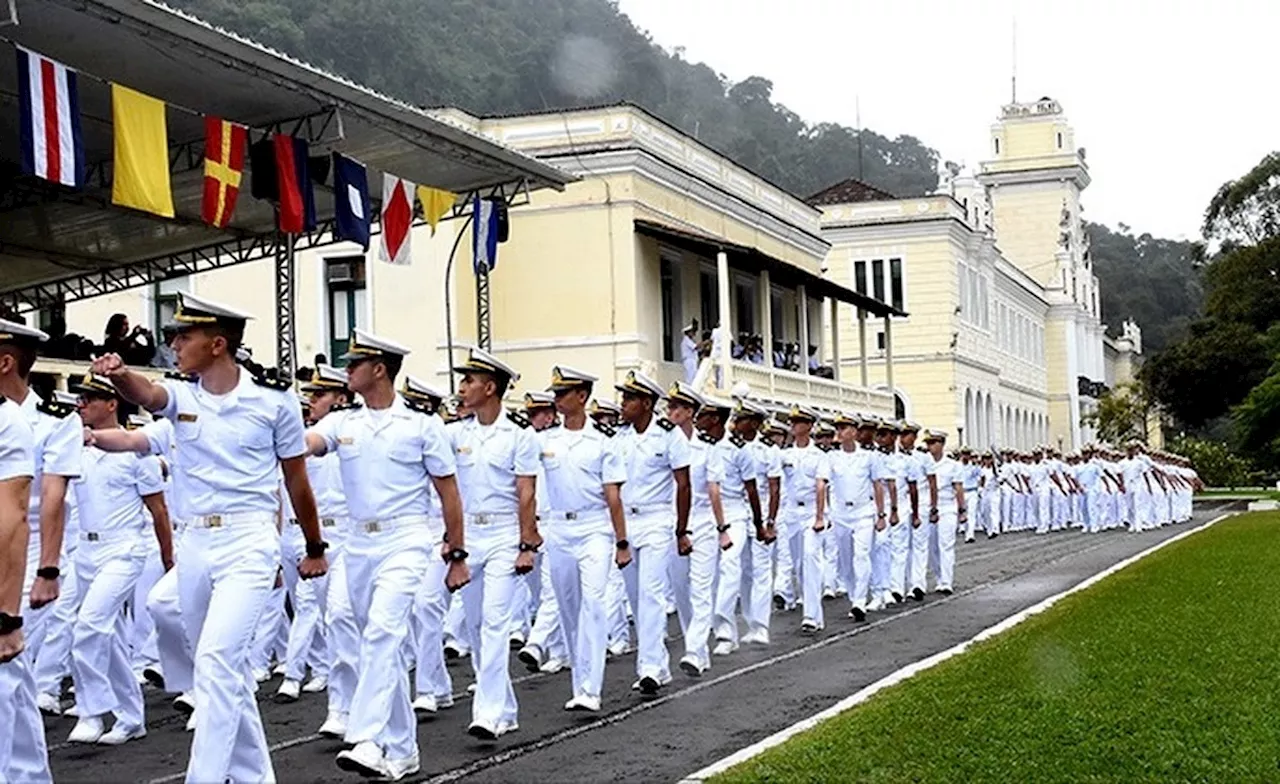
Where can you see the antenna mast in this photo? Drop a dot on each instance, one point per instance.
(857, 119)
(1014, 69)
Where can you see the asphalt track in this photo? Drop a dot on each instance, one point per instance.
(745, 697)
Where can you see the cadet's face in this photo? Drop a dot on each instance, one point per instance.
(321, 402)
(847, 435)
(908, 441)
(801, 428)
(936, 447)
(884, 438)
(570, 401)
(96, 411)
(707, 421)
(195, 349)
(542, 418)
(474, 389)
(866, 434)
(361, 374)
(634, 406)
(680, 413)
(748, 427)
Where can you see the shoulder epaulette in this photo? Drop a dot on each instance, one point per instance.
(55, 409)
(190, 378)
(603, 428)
(520, 420)
(827, 448)
(419, 407)
(737, 441)
(344, 407)
(707, 437)
(666, 424)
(278, 384)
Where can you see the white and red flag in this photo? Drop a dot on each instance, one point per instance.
(397, 220)
(49, 109)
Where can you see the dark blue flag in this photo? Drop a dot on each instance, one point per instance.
(351, 193)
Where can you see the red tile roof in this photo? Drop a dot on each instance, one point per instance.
(848, 191)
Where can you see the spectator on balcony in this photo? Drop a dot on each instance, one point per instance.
(135, 347)
(165, 356)
(689, 352)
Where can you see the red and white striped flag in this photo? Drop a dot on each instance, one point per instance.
(49, 108)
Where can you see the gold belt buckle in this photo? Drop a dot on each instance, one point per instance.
(482, 519)
(92, 536)
(328, 522)
(571, 515)
(373, 527)
(213, 521)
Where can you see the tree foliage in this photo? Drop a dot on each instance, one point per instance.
(1148, 279)
(1121, 414)
(1217, 465)
(1247, 210)
(512, 56)
(1257, 421)
(1213, 369)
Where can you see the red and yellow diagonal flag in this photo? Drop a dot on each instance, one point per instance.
(224, 144)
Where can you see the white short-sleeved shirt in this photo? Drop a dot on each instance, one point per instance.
(59, 441)
(111, 488)
(853, 477)
(802, 467)
(650, 458)
(701, 446)
(386, 459)
(912, 471)
(489, 458)
(1038, 475)
(768, 466)
(950, 473)
(229, 447)
(159, 435)
(577, 464)
(17, 442)
(729, 465)
(1089, 474)
(325, 475)
(972, 474)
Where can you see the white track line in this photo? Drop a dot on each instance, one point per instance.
(926, 663)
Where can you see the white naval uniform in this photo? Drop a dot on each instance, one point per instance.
(814, 542)
(387, 459)
(490, 458)
(882, 541)
(114, 544)
(758, 557)
(972, 473)
(694, 575)
(578, 530)
(229, 448)
(731, 465)
(54, 662)
(430, 609)
(922, 537)
(950, 472)
(854, 475)
(1137, 492)
(23, 754)
(800, 469)
(648, 497)
(1089, 475)
(306, 643)
(908, 471)
(1041, 499)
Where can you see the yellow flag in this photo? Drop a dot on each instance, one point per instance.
(436, 203)
(141, 172)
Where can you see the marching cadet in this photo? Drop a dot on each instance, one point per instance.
(884, 438)
(802, 507)
(695, 576)
(585, 529)
(951, 508)
(857, 508)
(326, 612)
(23, 754)
(656, 455)
(498, 461)
(1089, 477)
(607, 413)
(1041, 497)
(546, 649)
(1137, 488)
(989, 496)
(732, 476)
(909, 473)
(232, 429)
(759, 553)
(825, 436)
(388, 454)
(971, 470)
(113, 491)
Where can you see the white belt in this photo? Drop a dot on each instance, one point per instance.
(325, 522)
(643, 509)
(485, 518)
(107, 536)
(391, 524)
(229, 520)
(589, 515)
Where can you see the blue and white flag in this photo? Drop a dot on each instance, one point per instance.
(351, 200)
(49, 111)
(484, 235)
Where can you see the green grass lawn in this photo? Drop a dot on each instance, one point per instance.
(1272, 494)
(1167, 671)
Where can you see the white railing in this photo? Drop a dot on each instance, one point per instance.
(787, 387)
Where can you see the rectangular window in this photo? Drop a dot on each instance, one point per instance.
(964, 292)
(710, 298)
(669, 310)
(776, 319)
(860, 277)
(345, 282)
(983, 307)
(877, 279)
(745, 305)
(880, 341)
(895, 284)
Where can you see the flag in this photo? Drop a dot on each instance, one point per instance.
(484, 235)
(436, 203)
(223, 168)
(262, 165)
(351, 200)
(141, 172)
(293, 183)
(397, 218)
(49, 110)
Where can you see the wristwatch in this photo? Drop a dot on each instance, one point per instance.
(722, 528)
(622, 544)
(9, 623)
(456, 554)
(316, 549)
(525, 547)
(48, 572)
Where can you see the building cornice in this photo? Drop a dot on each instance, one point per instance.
(1073, 172)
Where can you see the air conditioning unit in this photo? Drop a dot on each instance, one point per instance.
(340, 272)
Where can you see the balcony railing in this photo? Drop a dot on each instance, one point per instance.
(786, 387)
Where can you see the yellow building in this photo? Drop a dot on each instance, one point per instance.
(1004, 343)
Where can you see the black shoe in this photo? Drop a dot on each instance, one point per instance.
(858, 614)
(690, 669)
(481, 732)
(897, 597)
(649, 685)
(779, 603)
(153, 676)
(945, 591)
(918, 595)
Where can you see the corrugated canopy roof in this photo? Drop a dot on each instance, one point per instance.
(51, 234)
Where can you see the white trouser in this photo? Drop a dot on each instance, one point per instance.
(23, 755)
(455, 622)
(430, 608)
(1138, 500)
(142, 629)
(107, 571)
(307, 641)
(975, 512)
(344, 636)
(652, 536)
(1007, 513)
(616, 610)
(1043, 499)
(793, 519)
(694, 576)
(815, 547)
(271, 636)
(1093, 515)
(547, 631)
(757, 583)
(225, 579)
(881, 556)
(855, 538)
(172, 647)
(385, 563)
(944, 545)
(579, 558)
(921, 549)
(490, 607)
(729, 576)
(54, 660)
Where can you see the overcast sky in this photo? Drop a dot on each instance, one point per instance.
(1170, 98)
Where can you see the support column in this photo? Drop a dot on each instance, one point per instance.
(804, 329)
(286, 330)
(766, 313)
(835, 338)
(862, 344)
(725, 326)
(888, 353)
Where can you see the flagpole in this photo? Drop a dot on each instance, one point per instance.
(448, 309)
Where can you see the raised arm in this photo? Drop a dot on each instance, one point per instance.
(132, 386)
